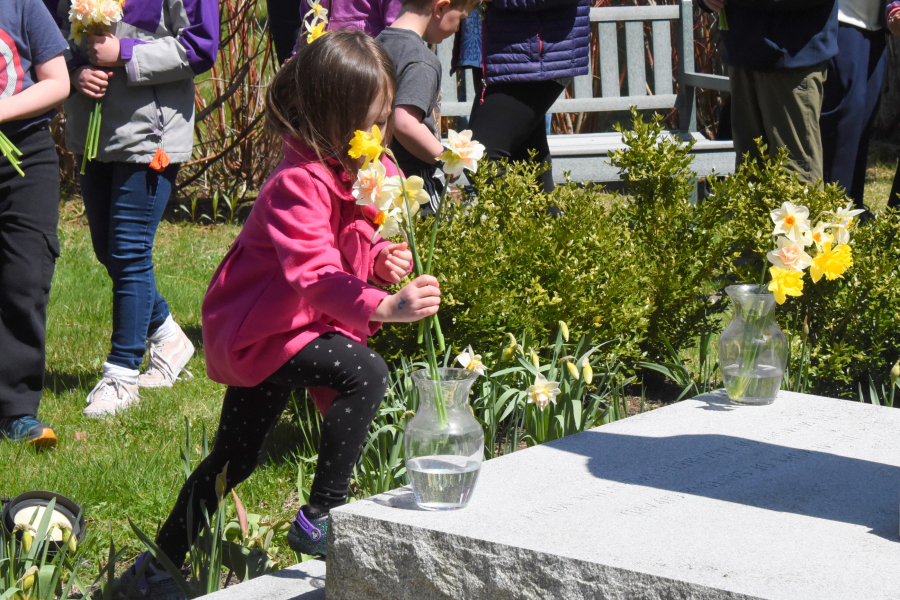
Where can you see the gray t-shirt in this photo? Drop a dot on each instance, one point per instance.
(418, 84)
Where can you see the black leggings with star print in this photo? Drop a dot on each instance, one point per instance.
(358, 375)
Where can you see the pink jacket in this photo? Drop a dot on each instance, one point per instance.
(371, 16)
(297, 270)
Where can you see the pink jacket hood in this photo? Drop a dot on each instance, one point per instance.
(298, 269)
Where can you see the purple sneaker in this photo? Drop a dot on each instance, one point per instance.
(155, 584)
(308, 536)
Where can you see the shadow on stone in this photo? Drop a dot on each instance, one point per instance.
(804, 481)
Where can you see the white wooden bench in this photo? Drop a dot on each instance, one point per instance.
(585, 156)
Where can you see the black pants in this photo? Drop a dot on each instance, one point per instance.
(29, 247)
(359, 376)
(511, 122)
(285, 22)
(852, 92)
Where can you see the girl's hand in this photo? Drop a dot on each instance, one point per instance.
(104, 51)
(393, 262)
(91, 81)
(414, 302)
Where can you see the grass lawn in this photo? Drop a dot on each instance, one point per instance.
(130, 466)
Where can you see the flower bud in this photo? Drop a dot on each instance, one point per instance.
(68, 538)
(804, 333)
(586, 371)
(564, 329)
(573, 370)
(27, 539)
(895, 372)
(534, 358)
(27, 578)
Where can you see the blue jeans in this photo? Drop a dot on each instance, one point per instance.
(124, 203)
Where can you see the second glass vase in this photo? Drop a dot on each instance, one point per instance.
(753, 350)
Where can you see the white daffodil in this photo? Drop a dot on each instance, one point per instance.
(461, 153)
(471, 361)
(793, 222)
(843, 217)
(543, 392)
(843, 221)
(789, 255)
(318, 12)
(820, 235)
(388, 221)
(369, 187)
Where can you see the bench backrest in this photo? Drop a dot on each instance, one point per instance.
(458, 92)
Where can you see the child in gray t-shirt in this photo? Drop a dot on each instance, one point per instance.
(416, 142)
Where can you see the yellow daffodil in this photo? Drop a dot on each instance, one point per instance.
(415, 190)
(820, 235)
(471, 361)
(789, 255)
(543, 392)
(318, 12)
(461, 153)
(785, 283)
(366, 144)
(831, 263)
(314, 32)
(792, 222)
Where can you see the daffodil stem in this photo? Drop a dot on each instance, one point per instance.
(11, 153)
(417, 261)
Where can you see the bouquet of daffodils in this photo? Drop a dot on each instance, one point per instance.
(398, 199)
(828, 240)
(93, 17)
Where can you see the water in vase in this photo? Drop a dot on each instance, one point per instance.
(757, 387)
(443, 482)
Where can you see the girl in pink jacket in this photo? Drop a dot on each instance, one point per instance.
(290, 306)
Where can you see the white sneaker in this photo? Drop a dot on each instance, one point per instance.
(167, 362)
(109, 396)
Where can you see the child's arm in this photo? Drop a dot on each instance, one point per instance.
(415, 135)
(51, 88)
(169, 59)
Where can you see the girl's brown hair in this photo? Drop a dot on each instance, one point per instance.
(323, 94)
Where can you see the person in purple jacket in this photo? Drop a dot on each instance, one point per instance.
(531, 50)
(143, 70)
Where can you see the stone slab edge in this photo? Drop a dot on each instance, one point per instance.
(371, 559)
(304, 581)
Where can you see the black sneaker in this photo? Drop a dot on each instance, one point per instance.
(308, 536)
(155, 584)
(27, 430)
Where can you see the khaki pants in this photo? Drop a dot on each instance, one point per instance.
(782, 108)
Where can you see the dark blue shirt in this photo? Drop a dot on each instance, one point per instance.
(28, 36)
(771, 35)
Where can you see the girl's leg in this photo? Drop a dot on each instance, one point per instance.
(359, 376)
(248, 418)
(139, 197)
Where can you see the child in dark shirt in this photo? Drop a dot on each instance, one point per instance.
(416, 142)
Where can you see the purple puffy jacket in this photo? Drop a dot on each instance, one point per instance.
(535, 40)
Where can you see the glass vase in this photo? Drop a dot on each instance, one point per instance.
(443, 443)
(753, 350)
